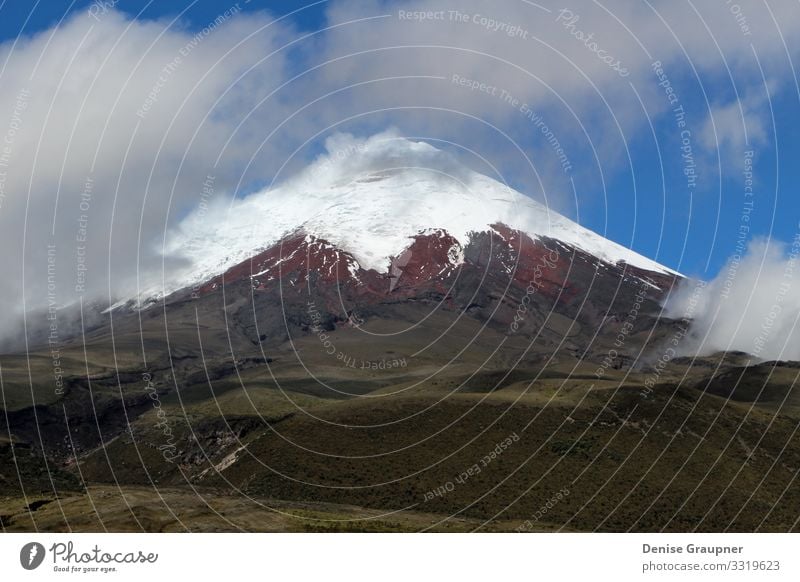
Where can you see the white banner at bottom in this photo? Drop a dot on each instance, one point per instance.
(422, 557)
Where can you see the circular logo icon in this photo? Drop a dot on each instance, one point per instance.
(31, 555)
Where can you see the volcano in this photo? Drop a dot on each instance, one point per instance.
(395, 228)
(392, 219)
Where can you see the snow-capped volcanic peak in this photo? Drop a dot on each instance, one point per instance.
(370, 198)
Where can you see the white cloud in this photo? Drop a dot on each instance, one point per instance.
(737, 126)
(84, 165)
(752, 306)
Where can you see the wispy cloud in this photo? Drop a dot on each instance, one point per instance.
(753, 306)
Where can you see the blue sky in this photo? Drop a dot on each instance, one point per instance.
(645, 204)
(42, 14)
